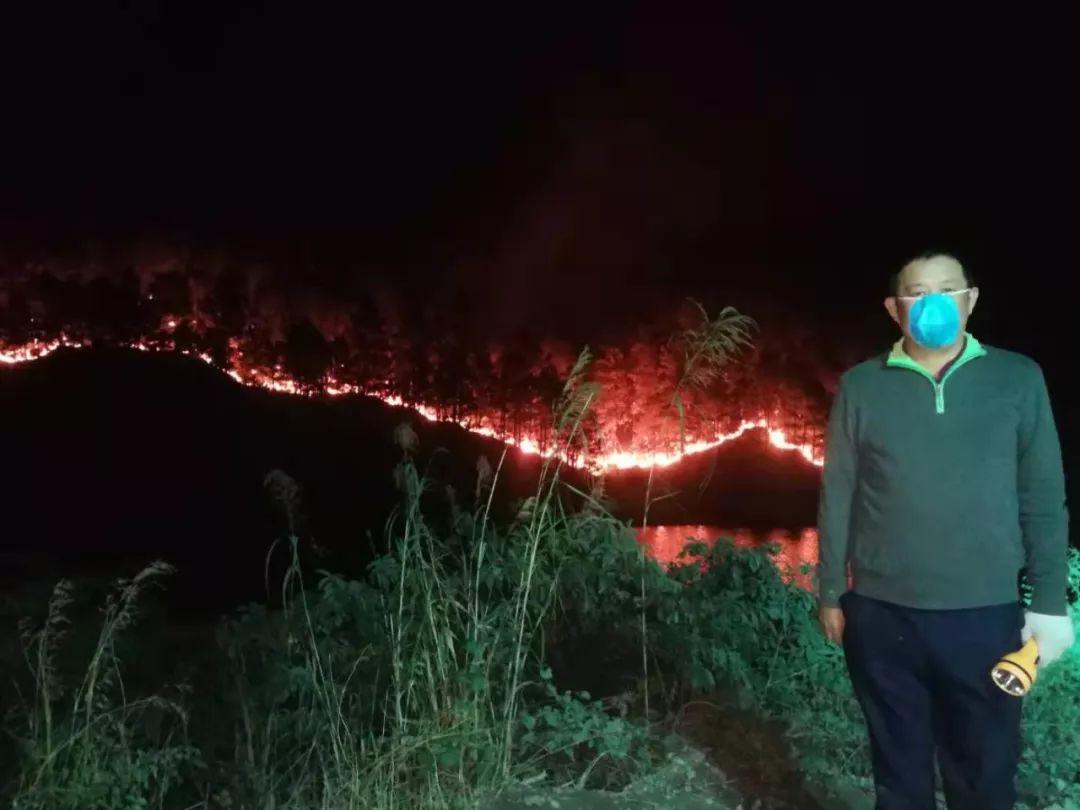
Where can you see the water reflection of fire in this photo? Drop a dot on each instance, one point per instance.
(275, 379)
(796, 549)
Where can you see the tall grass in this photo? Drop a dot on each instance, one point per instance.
(440, 705)
(706, 349)
(92, 744)
(393, 691)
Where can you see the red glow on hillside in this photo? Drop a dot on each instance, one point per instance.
(276, 379)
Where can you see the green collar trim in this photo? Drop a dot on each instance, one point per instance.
(898, 357)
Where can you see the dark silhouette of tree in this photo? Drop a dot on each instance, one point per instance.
(15, 326)
(185, 338)
(215, 342)
(370, 357)
(169, 295)
(514, 385)
(229, 302)
(111, 309)
(481, 372)
(306, 355)
(340, 354)
(450, 385)
(56, 304)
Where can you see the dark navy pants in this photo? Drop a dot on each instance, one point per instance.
(922, 678)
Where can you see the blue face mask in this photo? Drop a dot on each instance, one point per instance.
(934, 320)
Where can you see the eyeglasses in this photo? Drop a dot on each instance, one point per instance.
(918, 295)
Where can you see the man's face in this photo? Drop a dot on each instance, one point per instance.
(940, 274)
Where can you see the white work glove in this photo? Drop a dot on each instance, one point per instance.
(1053, 634)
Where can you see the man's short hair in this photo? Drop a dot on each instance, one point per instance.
(894, 276)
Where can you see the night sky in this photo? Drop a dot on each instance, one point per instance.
(538, 160)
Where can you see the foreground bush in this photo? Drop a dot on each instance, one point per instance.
(429, 682)
(91, 744)
(740, 625)
(424, 685)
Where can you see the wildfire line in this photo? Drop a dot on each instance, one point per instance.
(615, 460)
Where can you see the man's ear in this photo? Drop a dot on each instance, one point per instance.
(973, 296)
(892, 309)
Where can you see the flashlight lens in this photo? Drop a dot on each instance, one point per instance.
(1009, 682)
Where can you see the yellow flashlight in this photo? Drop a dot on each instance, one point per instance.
(1016, 672)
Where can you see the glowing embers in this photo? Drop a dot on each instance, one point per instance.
(276, 379)
(625, 460)
(35, 350)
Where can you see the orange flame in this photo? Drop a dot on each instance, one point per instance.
(35, 350)
(277, 380)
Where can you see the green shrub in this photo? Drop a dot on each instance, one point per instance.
(737, 624)
(95, 745)
(424, 684)
(1049, 776)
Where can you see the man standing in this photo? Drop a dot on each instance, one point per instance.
(943, 478)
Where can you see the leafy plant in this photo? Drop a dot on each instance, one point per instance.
(1049, 774)
(706, 349)
(425, 683)
(95, 745)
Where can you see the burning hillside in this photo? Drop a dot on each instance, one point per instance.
(499, 390)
